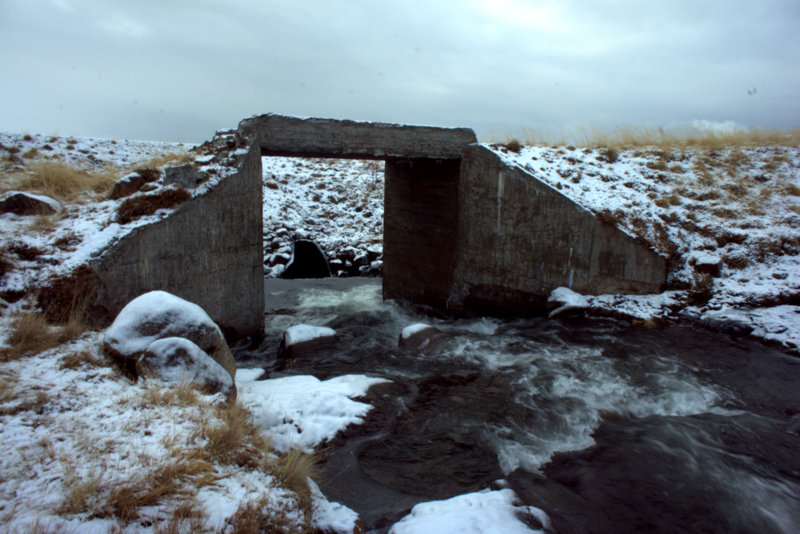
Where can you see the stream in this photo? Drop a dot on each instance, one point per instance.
(606, 426)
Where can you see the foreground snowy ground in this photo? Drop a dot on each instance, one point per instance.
(87, 450)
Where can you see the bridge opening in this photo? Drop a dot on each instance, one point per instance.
(335, 203)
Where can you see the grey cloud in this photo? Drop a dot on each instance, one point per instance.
(131, 67)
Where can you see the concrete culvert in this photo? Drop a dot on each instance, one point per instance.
(308, 261)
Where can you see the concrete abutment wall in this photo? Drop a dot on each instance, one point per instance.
(420, 229)
(208, 251)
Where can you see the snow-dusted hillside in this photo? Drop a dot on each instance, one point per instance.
(727, 219)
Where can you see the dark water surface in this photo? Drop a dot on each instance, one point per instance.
(605, 426)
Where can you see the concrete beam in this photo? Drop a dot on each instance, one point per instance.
(290, 136)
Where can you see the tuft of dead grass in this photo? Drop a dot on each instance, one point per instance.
(44, 224)
(294, 468)
(173, 158)
(31, 334)
(8, 385)
(629, 136)
(81, 492)
(66, 300)
(258, 516)
(64, 182)
(75, 360)
(142, 205)
(168, 479)
(186, 517)
(236, 441)
(156, 394)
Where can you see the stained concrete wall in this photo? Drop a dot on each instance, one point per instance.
(519, 239)
(291, 136)
(208, 251)
(420, 229)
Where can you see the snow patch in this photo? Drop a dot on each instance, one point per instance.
(303, 411)
(302, 333)
(484, 512)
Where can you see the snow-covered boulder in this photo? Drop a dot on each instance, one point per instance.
(303, 337)
(176, 359)
(706, 263)
(563, 300)
(474, 513)
(417, 336)
(127, 185)
(28, 204)
(157, 315)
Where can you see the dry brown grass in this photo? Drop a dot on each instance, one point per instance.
(64, 182)
(31, 334)
(81, 493)
(66, 299)
(169, 479)
(175, 158)
(294, 468)
(629, 136)
(182, 394)
(184, 518)
(8, 385)
(140, 206)
(258, 516)
(77, 359)
(44, 224)
(234, 441)
(28, 401)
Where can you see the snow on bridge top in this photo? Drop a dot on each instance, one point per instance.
(291, 136)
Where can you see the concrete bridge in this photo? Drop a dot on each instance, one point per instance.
(464, 232)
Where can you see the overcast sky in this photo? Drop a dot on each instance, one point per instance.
(178, 70)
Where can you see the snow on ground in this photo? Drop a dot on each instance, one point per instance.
(303, 410)
(74, 430)
(731, 210)
(76, 434)
(483, 512)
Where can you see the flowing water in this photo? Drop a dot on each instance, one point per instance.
(606, 426)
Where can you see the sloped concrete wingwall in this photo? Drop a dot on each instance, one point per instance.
(208, 251)
(519, 239)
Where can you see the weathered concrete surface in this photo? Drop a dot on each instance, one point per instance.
(420, 227)
(208, 251)
(291, 136)
(518, 239)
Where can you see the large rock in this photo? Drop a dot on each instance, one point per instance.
(183, 176)
(563, 301)
(176, 360)
(417, 336)
(308, 261)
(133, 182)
(302, 338)
(28, 204)
(158, 315)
